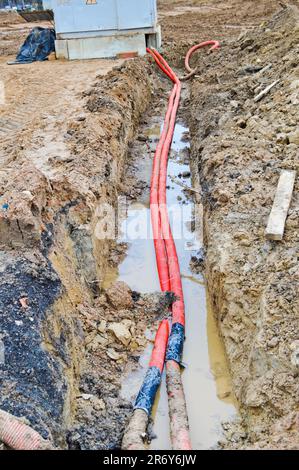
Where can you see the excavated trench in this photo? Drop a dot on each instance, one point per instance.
(78, 305)
(205, 377)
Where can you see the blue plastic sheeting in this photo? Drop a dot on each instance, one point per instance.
(176, 343)
(146, 396)
(38, 45)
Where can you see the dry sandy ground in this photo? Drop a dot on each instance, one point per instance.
(41, 95)
(14, 30)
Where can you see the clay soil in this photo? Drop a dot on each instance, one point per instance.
(66, 129)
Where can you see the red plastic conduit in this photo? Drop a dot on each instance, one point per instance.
(179, 427)
(166, 254)
(214, 44)
(19, 436)
(133, 438)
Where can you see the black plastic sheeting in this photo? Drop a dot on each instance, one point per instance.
(37, 46)
(146, 396)
(176, 343)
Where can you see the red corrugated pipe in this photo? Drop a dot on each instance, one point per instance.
(135, 435)
(170, 279)
(19, 436)
(179, 428)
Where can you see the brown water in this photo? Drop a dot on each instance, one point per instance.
(206, 378)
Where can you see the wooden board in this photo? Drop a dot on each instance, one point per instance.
(282, 200)
(36, 16)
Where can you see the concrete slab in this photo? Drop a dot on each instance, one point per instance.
(61, 49)
(100, 47)
(155, 39)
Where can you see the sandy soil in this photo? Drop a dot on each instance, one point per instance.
(14, 30)
(41, 96)
(238, 150)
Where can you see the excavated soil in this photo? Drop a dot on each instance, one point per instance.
(65, 133)
(66, 341)
(239, 148)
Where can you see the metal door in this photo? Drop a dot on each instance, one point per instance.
(136, 13)
(83, 15)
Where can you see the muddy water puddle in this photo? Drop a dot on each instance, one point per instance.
(205, 377)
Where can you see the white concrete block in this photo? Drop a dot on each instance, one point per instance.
(155, 39)
(61, 49)
(101, 46)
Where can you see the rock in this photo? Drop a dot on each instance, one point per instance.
(99, 404)
(185, 174)
(185, 137)
(141, 341)
(294, 137)
(99, 340)
(294, 85)
(120, 295)
(102, 339)
(282, 139)
(121, 332)
(86, 396)
(134, 345)
(90, 338)
(102, 326)
(223, 197)
(113, 354)
(241, 123)
(273, 342)
(254, 396)
(294, 345)
(234, 104)
(130, 325)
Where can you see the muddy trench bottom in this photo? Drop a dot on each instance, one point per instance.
(206, 378)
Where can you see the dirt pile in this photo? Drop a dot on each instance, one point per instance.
(240, 147)
(188, 22)
(114, 340)
(10, 17)
(12, 32)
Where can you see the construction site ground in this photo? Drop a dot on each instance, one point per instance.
(67, 136)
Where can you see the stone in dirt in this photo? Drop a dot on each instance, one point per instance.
(113, 354)
(121, 331)
(120, 295)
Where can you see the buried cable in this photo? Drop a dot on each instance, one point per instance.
(170, 280)
(134, 437)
